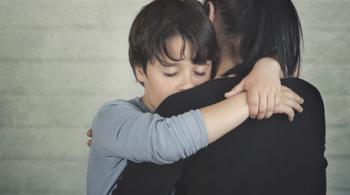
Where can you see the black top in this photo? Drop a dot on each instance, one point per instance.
(260, 157)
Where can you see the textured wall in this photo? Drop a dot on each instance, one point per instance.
(60, 60)
(326, 65)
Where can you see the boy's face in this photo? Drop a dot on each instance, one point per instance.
(163, 80)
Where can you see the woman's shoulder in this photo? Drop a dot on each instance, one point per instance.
(301, 85)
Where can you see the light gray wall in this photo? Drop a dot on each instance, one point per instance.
(60, 60)
(326, 65)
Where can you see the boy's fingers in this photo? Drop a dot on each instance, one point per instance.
(290, 113)
(291, 94)
(294, 105)
(293, 100)
(284, 88)
(237, 89)
(277, 100)
(296, 97)
(299, 99)
(262, 104)
(287, 110)
(253, 102)
(270, 104)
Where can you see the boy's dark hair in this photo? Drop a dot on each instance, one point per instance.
(162, 19)
(267, 28)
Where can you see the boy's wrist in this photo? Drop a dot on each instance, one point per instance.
(272, 64)
(242, 98)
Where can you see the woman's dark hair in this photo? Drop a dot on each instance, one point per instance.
(162, 19)
(266, 28)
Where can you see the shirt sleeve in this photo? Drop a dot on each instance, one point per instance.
(120, 129)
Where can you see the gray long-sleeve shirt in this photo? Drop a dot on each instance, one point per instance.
(126, 130)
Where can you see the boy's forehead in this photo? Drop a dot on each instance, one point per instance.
(178, 49)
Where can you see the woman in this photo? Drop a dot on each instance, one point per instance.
(247, 30)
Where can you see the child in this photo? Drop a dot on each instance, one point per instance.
(172, 48)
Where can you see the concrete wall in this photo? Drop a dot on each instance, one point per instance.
(60, 60)
(326, 64)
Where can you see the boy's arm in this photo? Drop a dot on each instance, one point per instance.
(263, 86)
(222, 117)
(123, 131)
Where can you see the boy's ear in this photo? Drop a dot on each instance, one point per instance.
(211, 10)
(140, 74)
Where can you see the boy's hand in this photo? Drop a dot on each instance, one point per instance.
(263, 85)
(290, 101)
(89, 134)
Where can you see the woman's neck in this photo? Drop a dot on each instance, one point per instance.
(228, 60)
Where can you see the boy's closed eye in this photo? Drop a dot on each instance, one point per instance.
(197, 73)
(170, 70)
(202, 70)
(170, 74)
(200, 73)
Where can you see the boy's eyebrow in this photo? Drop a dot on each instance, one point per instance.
(170, 64)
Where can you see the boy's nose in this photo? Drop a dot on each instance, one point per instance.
(186, 84)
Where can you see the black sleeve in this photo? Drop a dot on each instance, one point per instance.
(259, 157)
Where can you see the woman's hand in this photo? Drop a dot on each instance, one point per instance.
(263, 85)
(89, 134)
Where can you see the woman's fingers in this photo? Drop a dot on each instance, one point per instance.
(89, 133)
(89, 142)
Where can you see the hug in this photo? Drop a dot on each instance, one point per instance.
(223, 110)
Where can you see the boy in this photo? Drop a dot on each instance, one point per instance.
(172, 47)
